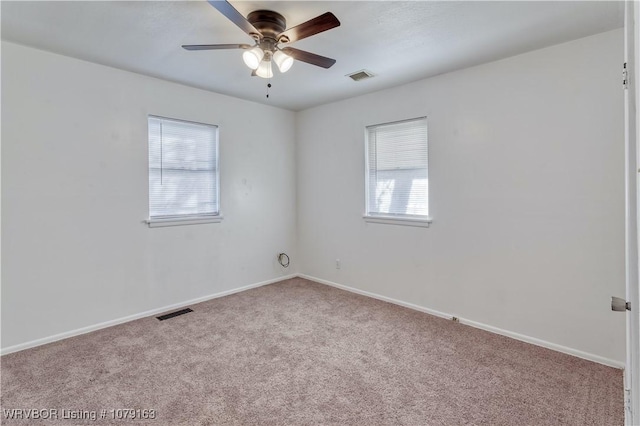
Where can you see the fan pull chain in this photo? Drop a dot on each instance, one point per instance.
(268, 87)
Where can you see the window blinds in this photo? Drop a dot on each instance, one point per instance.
(183, 169)
(397, 169)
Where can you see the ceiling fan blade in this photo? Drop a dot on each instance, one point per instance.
(214, 46)
(308, 57)
(313, 26)
(234, 16)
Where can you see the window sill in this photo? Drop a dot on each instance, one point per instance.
(389, 220)
(158, 223)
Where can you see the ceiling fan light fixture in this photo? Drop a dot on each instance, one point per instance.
(268, 29)
(283, 61)
(264, 69)
(253, 57)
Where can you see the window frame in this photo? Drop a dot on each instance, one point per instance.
(392, 219)
(185, 219)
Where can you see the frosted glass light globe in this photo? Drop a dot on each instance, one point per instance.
(253, 57)
(283, 61)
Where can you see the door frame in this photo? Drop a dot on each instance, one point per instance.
(632, 219)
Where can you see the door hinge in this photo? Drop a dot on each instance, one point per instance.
(625, 76)
(620, 305)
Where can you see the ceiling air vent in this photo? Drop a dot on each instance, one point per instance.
(360, 75)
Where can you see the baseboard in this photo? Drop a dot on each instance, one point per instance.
(475, 324)
(377, 296)
(489, 328)
(538, 342)
(88, 329)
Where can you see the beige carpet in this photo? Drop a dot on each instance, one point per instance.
(301, 353)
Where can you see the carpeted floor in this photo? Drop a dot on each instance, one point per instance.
(301, 353)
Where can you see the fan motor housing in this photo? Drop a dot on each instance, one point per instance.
(268, 22)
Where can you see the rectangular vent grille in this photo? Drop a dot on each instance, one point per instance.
(174, 314)
(360, 75)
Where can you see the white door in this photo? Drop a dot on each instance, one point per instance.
(632, 152)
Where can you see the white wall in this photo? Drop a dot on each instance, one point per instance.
(527, 195)
(75, 190)
(526, 178)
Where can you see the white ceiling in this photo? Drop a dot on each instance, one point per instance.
(398, 41)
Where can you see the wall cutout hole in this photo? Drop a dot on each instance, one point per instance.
(283, 259)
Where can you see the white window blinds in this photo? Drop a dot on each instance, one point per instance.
(183, 169)
(397, 169)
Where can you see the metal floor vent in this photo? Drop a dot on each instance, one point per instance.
(360, 75)
(174, 314)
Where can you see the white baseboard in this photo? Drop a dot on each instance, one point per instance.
(88, 329)
(553, 346)
(517, 336)
(492, 329)
(379, 297)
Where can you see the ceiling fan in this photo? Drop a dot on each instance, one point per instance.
(267, 28)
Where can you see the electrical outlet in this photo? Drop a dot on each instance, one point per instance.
(338, 265)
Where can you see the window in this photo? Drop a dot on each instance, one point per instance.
(183, 172)
(397, 178)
